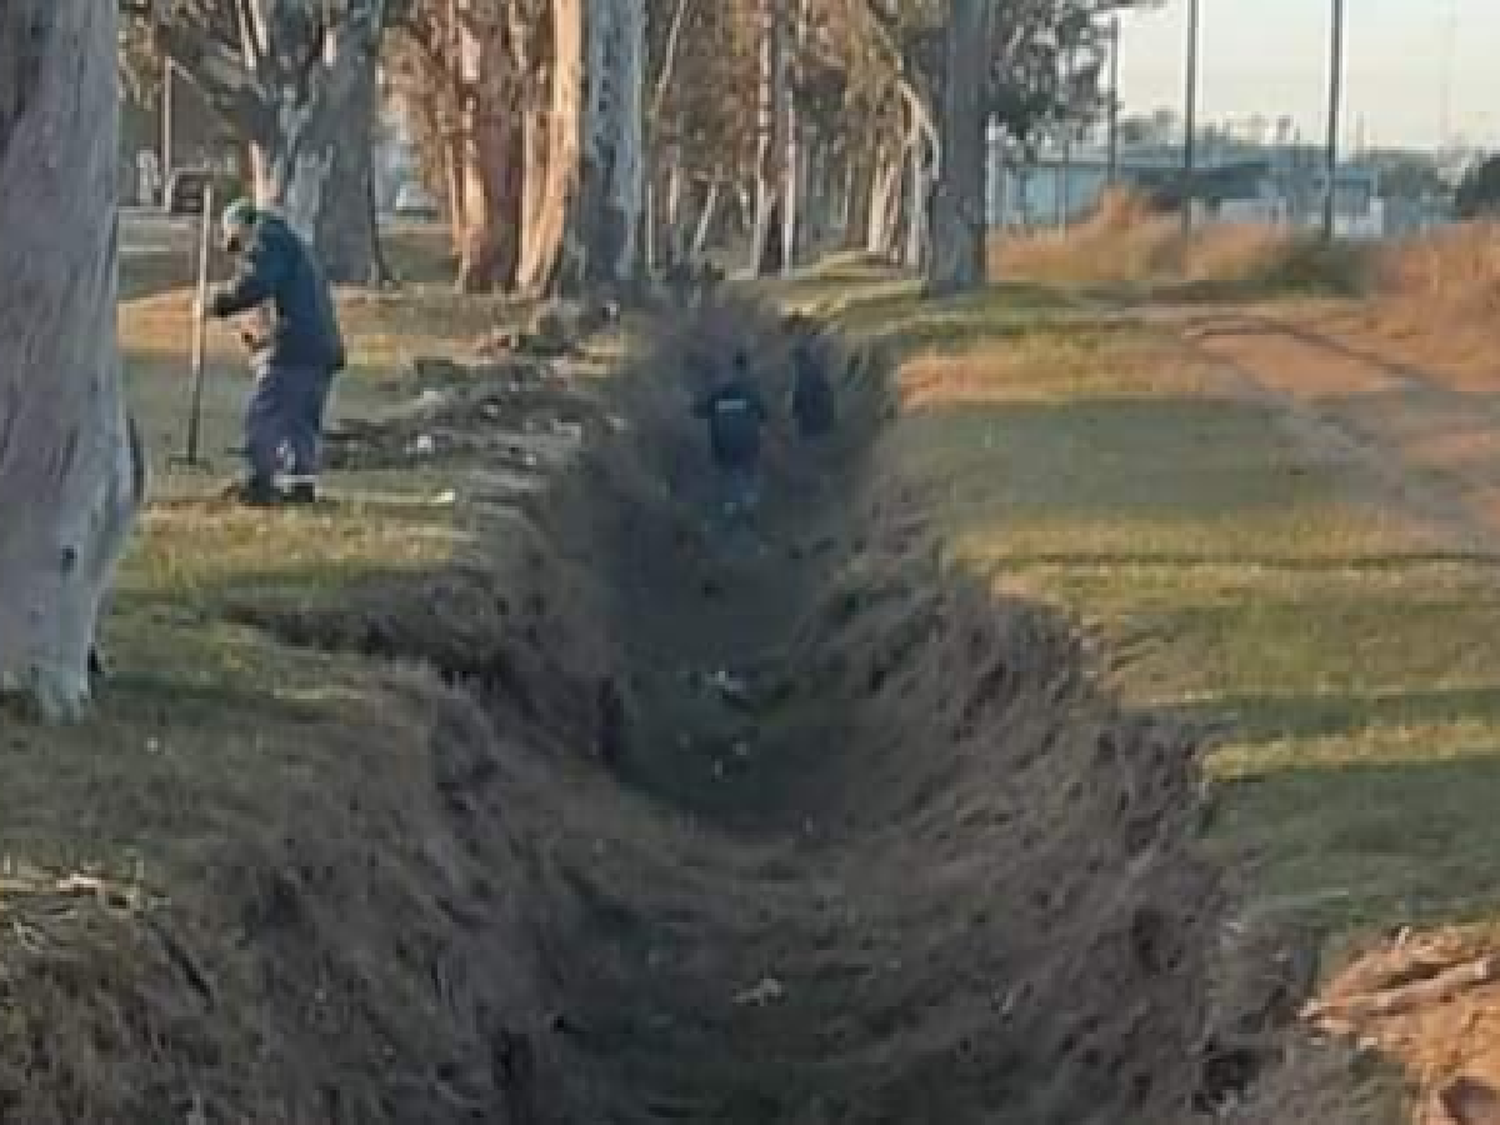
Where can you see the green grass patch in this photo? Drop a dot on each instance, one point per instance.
(1343, 658)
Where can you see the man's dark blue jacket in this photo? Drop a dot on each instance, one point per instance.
(278, 268)
(735, 414)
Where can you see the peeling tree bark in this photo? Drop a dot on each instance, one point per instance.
(957, 261)
(71, 478)
(537, 180)
(919, 161)
(314, 168)
(314, 164)
(675, 243)
(488, 186)
(614, 140)
(544, 261)
(885, 204)
(706, 219)
(793, 178)
(764, 244)
(300, 85)
(854, 210)
(589, 219)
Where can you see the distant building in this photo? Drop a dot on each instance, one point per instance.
(1284, 184)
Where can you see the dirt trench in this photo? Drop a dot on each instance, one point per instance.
(838, 837)
(643, 827)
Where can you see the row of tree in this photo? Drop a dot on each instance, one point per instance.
(578, 144)
(584, 142)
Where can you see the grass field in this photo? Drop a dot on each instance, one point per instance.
(1339, 648)
(175, 718)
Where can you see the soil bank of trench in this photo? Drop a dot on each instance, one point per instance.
(810, 833)
(869, 845)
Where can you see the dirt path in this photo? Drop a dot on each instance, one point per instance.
(1428, 449)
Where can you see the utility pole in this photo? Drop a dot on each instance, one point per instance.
(1065, 172)
(168, 121)
(1445, 104)
(1114, 101)
(1190, 119)
(1335, 99)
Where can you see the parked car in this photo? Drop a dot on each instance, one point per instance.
(413, 201)
(186, 188)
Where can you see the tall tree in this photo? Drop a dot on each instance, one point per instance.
(770, 145)
(70, 476)
(587, 222)
(297, 79)
(464, 71)
(958, 199)
(704, 67)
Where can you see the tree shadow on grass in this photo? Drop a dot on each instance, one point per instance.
(1363, 845)
(1261, 719)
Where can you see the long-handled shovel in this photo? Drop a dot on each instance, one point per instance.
(190, 457)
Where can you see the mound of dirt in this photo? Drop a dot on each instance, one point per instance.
(510, 414)
(633, 824)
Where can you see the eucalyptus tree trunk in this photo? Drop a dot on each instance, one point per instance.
(769, 122)
(793, 171)
(919, 161)
(300, 86)
(884, 210)
(957, 261)
(855, 208)
(614, 141)
(706, 219)
(71, 475)
(488, 187)
(589, 212)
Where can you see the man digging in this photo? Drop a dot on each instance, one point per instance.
(296, 348)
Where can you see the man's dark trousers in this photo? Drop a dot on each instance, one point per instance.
(284, 424)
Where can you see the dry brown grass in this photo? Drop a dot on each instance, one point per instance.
(1430, 310)
(1128, 242)
(1458, 267)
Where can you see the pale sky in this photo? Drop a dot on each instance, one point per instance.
(1271, 57)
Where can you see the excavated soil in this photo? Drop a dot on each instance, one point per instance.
(644, 826)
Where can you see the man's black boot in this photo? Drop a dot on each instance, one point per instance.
(302, 493)
(256, 493)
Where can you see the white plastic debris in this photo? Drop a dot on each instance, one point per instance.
(768, 991)
(726, 682)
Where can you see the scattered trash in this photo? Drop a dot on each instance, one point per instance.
(523, 457)
(731, 687)
(768, 991)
